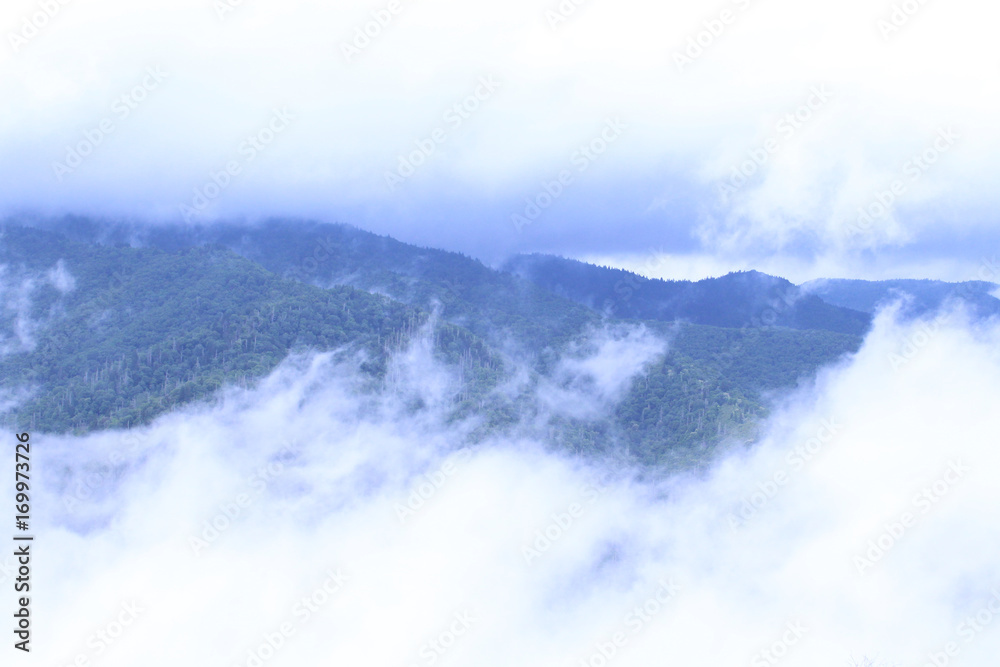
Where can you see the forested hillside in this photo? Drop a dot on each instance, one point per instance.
(748, 298)
(115, 327)
(711, 386)
(497, 306)
(142, 330)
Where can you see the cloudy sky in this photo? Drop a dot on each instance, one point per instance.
(679, 139)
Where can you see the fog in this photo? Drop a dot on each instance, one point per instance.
(305, 522)
(22, 314)
(708, 160)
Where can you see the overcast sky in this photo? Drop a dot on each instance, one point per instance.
(647, 112)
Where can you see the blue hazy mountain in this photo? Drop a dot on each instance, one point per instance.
(919, 297)
(747, 298)
(158, 318)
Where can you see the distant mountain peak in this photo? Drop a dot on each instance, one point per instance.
(737, 299)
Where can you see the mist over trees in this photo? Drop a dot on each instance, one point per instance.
(125, 323)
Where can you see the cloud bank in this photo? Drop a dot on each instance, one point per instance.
(749, 127)
(303, 521)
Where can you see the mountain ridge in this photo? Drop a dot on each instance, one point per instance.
(738, 299)
(121, 346)
(920, 296)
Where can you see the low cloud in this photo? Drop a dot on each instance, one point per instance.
(19, 291)
(265, 529)
(595, 373)
(167, 115)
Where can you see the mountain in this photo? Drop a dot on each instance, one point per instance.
(495, 305)
(115, 335)
(112, 325)
(923, 296)
(748, 298)
(712, 385)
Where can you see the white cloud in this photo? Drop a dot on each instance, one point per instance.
(597, 372)
(321, 472)
(352, 120)
(18, 302)
(60, 278)
(883, 266)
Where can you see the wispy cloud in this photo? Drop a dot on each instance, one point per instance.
(355, 117)
(318, 564)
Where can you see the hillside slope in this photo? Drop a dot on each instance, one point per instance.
(110, 335)
(120, 335)
(501, 308)
(736, 300)
(924, 296)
